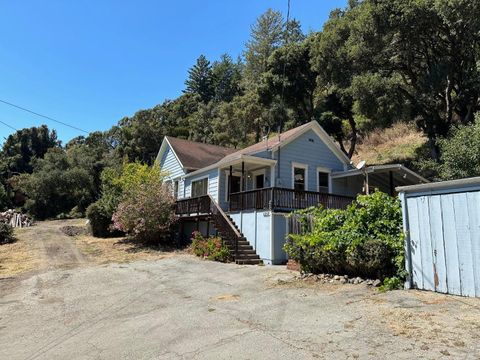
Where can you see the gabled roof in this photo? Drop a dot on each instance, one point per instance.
(197, 156)
(193, 155)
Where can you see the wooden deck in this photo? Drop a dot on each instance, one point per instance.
(285, 200)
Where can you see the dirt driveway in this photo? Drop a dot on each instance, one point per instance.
(184, 308)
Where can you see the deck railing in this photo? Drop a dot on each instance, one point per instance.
(281, 199)
(197, 205)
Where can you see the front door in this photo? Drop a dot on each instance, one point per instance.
(259, 181)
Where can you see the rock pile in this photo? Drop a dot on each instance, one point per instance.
(338, 279)
(15, 218)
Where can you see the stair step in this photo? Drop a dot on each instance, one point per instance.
(248, 261)
(242, 256)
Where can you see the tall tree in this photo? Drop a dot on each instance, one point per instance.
(22, 147)
(200, 80)
(227, 76)
(266, 35)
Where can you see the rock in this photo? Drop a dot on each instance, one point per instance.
(345, 277)
(369, 282)
(377, 283)
(343, 281)
(359, 280)
(336, 277)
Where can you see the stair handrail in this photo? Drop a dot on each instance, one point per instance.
(216, 209)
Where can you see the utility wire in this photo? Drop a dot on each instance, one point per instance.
(44, 116)
(10, 126)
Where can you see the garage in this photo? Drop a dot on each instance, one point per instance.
(442, 226)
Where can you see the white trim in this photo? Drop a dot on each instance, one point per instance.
(200, 179)
(299, 166)
(329, 172)
(162, 150)
(221, 163)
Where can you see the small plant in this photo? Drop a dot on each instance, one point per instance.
(392, 283)
(211, 248)
(6, 233)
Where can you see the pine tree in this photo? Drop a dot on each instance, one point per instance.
(200, 80)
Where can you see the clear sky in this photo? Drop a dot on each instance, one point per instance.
(90, 63)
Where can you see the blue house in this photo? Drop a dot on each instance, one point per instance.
(245, 195)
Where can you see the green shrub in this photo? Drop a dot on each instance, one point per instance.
(392, 283)
(99, 219)
(6, 233)
(211, 248)
(366, 239)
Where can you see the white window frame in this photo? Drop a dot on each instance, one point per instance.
(299, 166)
(324, 170)
(199, 179)
(254, 178)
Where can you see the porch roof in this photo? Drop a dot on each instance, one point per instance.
(402, 174)
(236, 160)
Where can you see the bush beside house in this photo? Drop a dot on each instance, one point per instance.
(211, 248)
(366, 239)
(134, 201)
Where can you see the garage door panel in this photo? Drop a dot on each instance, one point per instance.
(473, 201)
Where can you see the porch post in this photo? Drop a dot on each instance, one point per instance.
(392, 188)
(243, 176)
(230, 182)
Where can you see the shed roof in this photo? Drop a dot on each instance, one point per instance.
(442, 185)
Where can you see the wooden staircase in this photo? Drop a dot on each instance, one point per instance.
(246, 254)
(241, 250)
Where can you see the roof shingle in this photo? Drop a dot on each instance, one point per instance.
(194, 155)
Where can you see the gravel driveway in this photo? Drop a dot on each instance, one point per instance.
(185, 308)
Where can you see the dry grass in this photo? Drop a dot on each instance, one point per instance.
(18, 257)
(102, 251)
(398, 143)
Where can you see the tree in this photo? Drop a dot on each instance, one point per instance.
(429, 50)
(227, 76)
(291, 78)
(460, 153)
(56, 187)
(266, 35)
(200, 80)
(22, 147)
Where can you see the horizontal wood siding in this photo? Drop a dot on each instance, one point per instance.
(170, 164)
(212, 183)
(303, 150)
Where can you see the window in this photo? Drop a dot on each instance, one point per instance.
(200, 187)
(323, 181)
(299, 177)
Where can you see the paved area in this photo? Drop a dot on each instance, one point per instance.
(185, 308)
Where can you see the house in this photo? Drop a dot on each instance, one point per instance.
(245, 195)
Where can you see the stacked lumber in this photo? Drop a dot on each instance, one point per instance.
(15, 218)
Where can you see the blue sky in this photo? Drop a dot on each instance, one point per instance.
(89, 63)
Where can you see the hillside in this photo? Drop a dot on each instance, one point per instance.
(397, 144)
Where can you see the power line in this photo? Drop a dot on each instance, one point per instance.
(10, 126)
(44, 116)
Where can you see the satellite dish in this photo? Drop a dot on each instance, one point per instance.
(361, 165)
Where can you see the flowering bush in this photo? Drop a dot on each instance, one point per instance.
(146, 212)
(211, 248)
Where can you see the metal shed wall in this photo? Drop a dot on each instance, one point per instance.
(442, 223)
